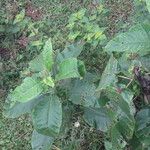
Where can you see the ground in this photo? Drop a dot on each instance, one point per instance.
(15, 134)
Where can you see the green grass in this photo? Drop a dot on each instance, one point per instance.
(15, 134)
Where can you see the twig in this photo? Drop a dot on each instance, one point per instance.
(134, 98)
(146, 99)
(125, 77)
(55, 148)
(129, 83)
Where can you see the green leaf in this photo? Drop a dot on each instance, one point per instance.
(37, 43)
(100, 118)
(19, 17)
(136, 40)
(2, 28)
(44, 61)
(67, 112)
(145, 62)
(47, 116)
(108, 145)
(47, 54)
(81, 68)
(125, 64)
(83, 93)
(124, 116)
(143, 126)
(29, 89)
(126, 127)
(17, 109)
(37, 65)
(49, 81)
(117, 140)
(41, 142)
(135, 143)
(121, 105)
(68, 69)
(77, 16)
(121, 132)
(148, 5)
(70, 51)
(143, 118)
(109, 74)
(73, 35)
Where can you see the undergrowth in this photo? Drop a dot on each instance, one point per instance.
(76, 28)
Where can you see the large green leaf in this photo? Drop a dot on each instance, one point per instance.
(125, 65)
(136, 143)
(41, 142)
(47, 54)
(143, 118)
(126, 127)
(117, 140)
(83, 93)
(37, 65)
(68, 69)
(17, 109)
(143, 126)
(148, 5)
(44, 61)
(100, 118)
(67, 113)
(70, 51)
(108, 145)
(134, 41)
(29, 89)
(120, 133)
(109, 74)
(120, 102)
(145, 61)
(47, 116)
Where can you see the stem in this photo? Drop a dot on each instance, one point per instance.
(146, 99)
(55, 148)
(123, 77)
(129, 83)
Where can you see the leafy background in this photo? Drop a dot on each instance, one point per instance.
(16, 134)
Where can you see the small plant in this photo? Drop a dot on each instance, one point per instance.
(84, 26)
(37, 93)
(107, 102)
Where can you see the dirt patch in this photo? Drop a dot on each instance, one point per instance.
(120, 12)
(5, 53)
(33, 12)
(23, 41)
